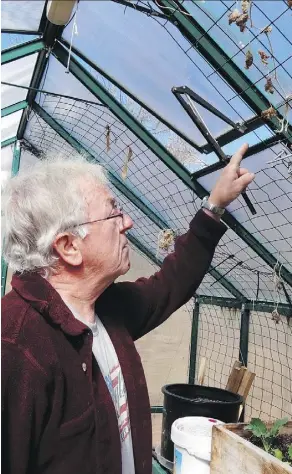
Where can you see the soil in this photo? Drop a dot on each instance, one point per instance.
(282, 442)
(206, 400)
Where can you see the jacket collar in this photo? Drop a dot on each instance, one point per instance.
(40, 294)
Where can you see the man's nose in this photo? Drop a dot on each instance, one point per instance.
(127, 222)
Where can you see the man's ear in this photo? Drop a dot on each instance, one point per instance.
(67, 247)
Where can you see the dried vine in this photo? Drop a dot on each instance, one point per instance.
(241, 17)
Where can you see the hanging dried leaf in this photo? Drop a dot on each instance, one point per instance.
(269, 86)
(267, 30)
(241, 21)
(248, 59)
(128, 158)
(276, 316)
(264, 57)
(289, 3)
(166, 239)
(245, 5)
(108, 139)
(269, 113)
(233, 16)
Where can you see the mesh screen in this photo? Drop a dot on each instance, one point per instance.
(269, 357)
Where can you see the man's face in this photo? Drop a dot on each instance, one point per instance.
(105, 249)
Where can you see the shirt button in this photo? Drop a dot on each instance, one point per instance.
(84, 367)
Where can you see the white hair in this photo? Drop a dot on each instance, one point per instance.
(41, 202)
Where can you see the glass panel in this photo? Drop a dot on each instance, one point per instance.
(9, 125)
(150, 57)
(24, 15)
(17, 72)
(271, 194)
(9, 40)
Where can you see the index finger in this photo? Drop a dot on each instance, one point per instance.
(237, 157)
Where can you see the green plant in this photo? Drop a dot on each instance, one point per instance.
(279, 455)
(267, 436)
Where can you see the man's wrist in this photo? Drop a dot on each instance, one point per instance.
(212, 207)
(211, 214)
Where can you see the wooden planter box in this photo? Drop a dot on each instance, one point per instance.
(233, 454)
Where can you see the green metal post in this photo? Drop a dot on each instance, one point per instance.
(14, 171)
(50, 35)
(243, 342)
(194, 342)
(20, 51)
(4, 269)
(16, 158)
(244, 333)
(157, 468)
(137, 128)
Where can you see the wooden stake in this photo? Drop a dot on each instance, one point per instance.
(235, 377)
(202, 370)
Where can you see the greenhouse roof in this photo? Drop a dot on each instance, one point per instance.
(128, 84)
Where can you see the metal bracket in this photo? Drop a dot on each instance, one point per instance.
(188, 105)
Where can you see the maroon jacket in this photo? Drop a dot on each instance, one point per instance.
(57, 413)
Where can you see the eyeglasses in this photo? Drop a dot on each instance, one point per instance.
(118, 213)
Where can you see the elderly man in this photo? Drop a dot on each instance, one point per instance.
(74, 394)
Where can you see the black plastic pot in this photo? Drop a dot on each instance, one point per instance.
(180, 401)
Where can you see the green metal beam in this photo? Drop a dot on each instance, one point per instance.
(219, 59)
(8, 31)
(146, 208)
(252, 124)
(129, 94)
(8, 142)
(253, 150)
(156, 147)
(260, 306)
(10, 109)
(157, 409)
(21, 50)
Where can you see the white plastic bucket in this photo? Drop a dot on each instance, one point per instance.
(192, 438)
